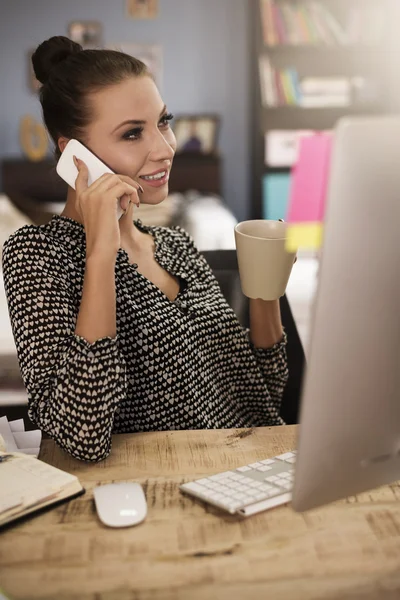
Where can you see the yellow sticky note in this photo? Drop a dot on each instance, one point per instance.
(304, 235)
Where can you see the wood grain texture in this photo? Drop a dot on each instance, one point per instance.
(185, 550)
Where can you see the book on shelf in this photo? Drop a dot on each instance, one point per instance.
(278, 87)
(323, 85)
(29, 485)
(313, 23)
(340, 91)
(325, 101)
(269, 87)
(268, 19)
(283, 87)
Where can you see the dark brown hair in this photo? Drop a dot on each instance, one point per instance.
(68, 74)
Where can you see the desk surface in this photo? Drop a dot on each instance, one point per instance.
(186, 551)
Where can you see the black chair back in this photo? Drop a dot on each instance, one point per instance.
(225, 268)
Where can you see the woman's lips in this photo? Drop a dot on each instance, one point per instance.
(156, 182)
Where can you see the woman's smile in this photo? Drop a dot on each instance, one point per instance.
(156, 179)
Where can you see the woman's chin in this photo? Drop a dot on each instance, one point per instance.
(155, 197)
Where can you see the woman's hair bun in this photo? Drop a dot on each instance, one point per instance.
(51, 53)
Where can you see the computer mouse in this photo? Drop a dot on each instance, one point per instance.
(120, 504)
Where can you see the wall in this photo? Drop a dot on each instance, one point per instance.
(206, 66)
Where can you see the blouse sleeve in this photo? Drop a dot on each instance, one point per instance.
(74, 387)
(272, 363)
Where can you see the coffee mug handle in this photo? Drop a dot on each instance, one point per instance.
(282, 221)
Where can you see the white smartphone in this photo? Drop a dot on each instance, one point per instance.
(67, 170)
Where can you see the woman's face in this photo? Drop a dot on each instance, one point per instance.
(130, 131)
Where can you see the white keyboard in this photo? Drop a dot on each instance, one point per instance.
(249, 489)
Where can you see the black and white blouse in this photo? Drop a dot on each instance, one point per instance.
(182, 364)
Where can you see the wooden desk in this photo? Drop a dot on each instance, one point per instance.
(184, 551)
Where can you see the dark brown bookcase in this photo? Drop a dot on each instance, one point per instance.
(377, 62)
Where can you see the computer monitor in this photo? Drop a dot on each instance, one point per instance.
(349, 432)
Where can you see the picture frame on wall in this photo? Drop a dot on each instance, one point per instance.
(142, 9)
(89, 34)
(150, 54)
(197, 133)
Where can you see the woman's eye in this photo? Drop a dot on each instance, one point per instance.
(165, 119)
(136, 133)
(133, 134)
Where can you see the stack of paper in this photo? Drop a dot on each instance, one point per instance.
(16, 439)
(308, 193)
(325, 91)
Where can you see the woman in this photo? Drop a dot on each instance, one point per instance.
(121, 327)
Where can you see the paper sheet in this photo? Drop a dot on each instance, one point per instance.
(7, 435)
(19, 440)
(28, 439)
(17, 425)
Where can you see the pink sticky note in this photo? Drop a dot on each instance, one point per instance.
(309, 180)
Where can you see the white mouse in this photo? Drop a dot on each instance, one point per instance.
(120, 504)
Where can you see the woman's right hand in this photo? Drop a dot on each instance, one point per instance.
(97, 205)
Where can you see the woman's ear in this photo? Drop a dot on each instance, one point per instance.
(62, 142)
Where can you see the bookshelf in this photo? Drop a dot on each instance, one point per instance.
(307, 76)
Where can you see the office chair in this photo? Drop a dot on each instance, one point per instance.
(225, 268)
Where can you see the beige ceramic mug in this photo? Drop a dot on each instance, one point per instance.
(264, 263)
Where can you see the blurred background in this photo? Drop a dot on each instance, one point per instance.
(245, 79)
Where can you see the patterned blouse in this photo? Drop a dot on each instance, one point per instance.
(181, 364)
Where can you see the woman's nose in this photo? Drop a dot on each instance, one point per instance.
(161, 149)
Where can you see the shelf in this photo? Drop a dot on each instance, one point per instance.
(294, 117)
(323, 47)
(269, 169)
(325, 61)
(353, 109)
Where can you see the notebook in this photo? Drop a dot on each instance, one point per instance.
(28, 485)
